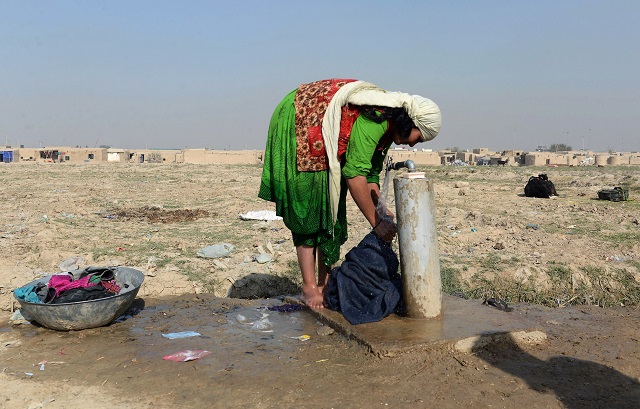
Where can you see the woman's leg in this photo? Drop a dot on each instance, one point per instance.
(323, 271)
(311, 294)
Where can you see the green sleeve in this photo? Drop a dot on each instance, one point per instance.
(362, 158)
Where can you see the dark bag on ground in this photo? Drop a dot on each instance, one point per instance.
(540, 186)
(617, 194)
(367, 286)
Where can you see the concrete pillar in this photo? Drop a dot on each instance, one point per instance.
(418, 242)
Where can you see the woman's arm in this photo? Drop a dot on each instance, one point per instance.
(361, 157)
(363, 194)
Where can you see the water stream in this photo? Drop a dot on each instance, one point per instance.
(383, 200)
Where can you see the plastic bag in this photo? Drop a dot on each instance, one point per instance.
(186, 355)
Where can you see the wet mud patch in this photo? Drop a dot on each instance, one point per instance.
(251, 367)
(250, 346)
(156, 214)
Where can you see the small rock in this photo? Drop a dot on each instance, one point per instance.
(263, 258)
(461, 184)
(270, 248)
(324, 330)
(220, 264)
(263, 226)
(216, 251)
(151, 262)
(499, 246)
(72, 263)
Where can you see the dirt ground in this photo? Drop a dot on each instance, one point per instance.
(569, 264)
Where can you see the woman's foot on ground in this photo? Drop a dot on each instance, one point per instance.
(312, 297)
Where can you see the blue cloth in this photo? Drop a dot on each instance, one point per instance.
(27, 293)
(367, 286)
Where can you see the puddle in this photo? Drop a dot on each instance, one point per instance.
(233, 336)
(240, 334)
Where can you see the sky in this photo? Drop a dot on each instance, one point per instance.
(508, 74)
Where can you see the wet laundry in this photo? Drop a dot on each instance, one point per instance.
(90, 283)
(366, 287)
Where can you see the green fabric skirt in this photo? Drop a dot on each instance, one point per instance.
(301, 198)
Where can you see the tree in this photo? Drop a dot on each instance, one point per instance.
(555, 147)
(154, 157)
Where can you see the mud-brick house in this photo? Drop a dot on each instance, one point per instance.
(512, 157)
(60, 154)
(625, 158)
(466, 157)
(154, 155)
(482, 152)
(550, 158)
(25, 155)
(420, 158)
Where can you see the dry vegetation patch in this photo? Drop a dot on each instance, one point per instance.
(493, 242)
(156, 214)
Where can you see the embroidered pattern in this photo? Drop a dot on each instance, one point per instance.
(311, 102)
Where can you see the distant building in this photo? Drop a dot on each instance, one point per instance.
(422, 157)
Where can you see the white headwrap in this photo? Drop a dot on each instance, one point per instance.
(424, 112)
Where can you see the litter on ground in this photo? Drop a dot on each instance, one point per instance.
(187, 355)
(184, 334)
(260, 215)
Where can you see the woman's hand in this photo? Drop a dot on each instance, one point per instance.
(386, 229)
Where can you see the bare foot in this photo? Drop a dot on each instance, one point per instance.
(312, 296)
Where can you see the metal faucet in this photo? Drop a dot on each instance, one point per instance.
(411, 167)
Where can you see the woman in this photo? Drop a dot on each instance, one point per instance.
(328, 137)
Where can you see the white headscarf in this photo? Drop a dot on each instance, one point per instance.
(424, 113)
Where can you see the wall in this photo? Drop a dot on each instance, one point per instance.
(222, 157)
(419, 157)
(118, 156)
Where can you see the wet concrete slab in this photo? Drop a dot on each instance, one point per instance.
(464, 325)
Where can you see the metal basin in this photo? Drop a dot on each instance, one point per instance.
(86, 314)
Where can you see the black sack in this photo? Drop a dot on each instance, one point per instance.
(617, 194)
(540, 186)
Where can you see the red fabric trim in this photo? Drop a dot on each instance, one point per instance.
(311, 102)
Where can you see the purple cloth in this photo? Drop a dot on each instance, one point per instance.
(63, 282)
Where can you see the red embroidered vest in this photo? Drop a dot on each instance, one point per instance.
(311, 102)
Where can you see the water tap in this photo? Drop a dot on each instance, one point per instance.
(411, 167)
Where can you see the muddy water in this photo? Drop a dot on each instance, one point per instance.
(121, 365)
(247, 343)
(232, 333)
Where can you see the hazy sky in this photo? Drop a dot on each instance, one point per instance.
(174, 74)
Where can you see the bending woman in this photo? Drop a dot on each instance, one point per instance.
(328, 137)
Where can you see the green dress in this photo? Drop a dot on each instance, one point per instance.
(302, 198)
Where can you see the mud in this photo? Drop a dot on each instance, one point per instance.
(121, 365)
